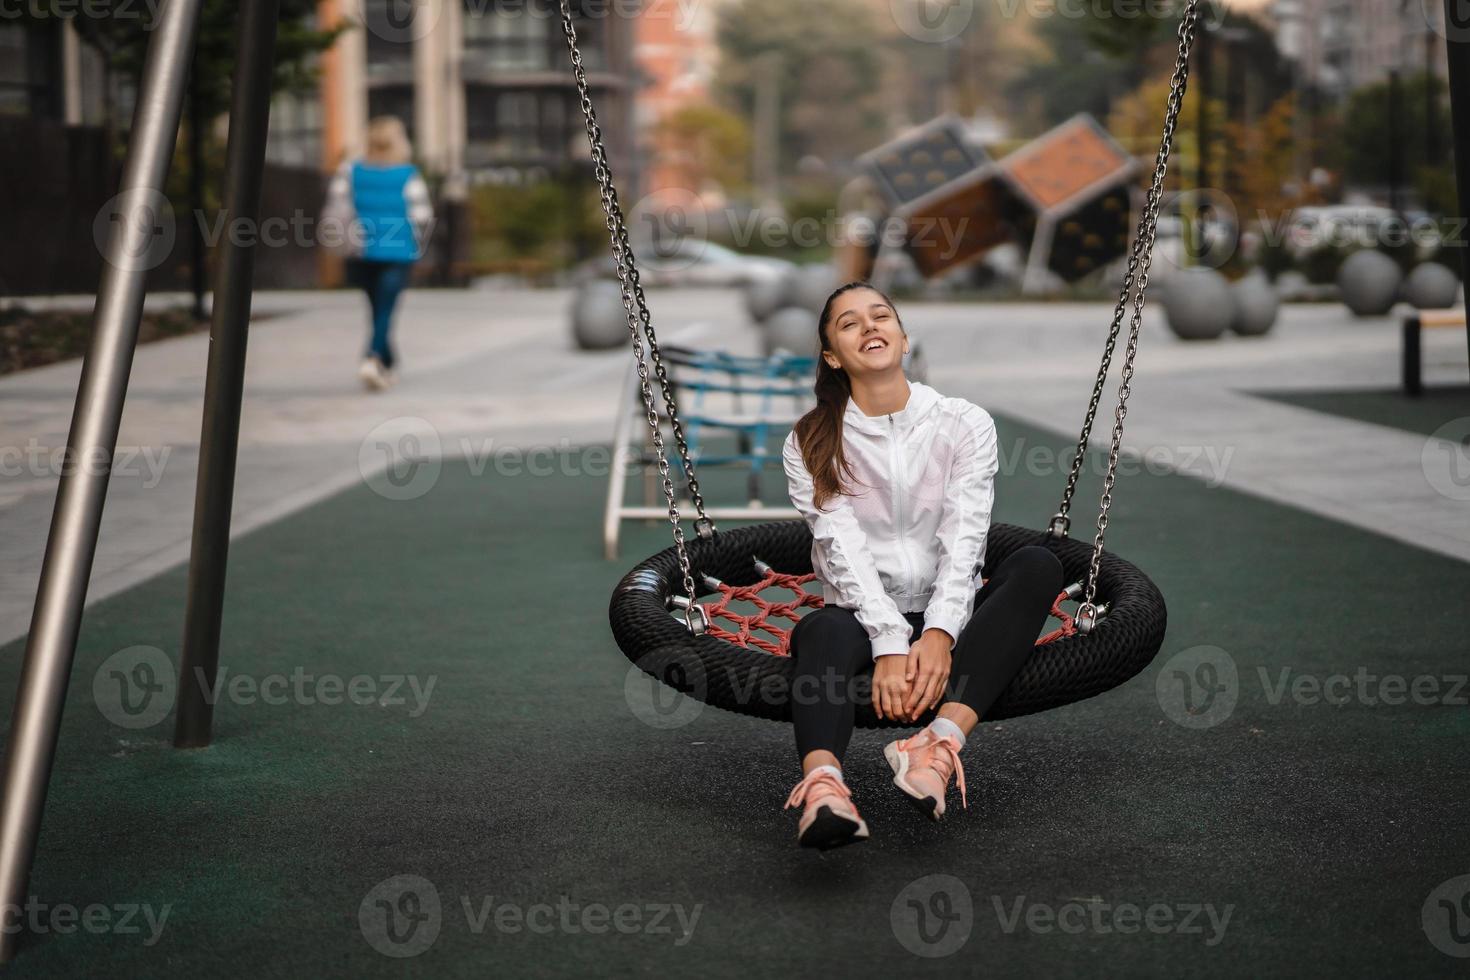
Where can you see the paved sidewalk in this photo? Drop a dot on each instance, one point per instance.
(487, 370)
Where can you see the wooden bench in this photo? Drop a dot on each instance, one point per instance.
(1414, 325)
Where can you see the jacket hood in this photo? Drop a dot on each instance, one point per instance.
(922, 400)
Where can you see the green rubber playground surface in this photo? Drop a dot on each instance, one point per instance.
(1384, 406)
(549, 831)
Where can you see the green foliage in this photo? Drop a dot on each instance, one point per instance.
(1094, 58)
(1069, 77)
(1125, 40)
(121, 30)
(1436, 188)
(554, 221)
(1321, 264)
(712, 143)
(1363, 151)
(823, 57)
(1274, 257)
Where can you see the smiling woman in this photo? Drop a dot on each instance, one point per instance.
(897, 484)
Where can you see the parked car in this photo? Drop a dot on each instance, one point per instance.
(1338, 226)
(690, 262)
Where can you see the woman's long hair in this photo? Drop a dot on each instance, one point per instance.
(819, 432)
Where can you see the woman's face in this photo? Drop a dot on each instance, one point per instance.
(864, 337)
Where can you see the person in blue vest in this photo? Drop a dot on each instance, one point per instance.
(390, 222)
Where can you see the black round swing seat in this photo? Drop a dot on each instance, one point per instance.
(753, 682)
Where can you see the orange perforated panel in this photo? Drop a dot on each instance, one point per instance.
(1064, 163)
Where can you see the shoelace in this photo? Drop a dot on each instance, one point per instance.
(809, 782)
(947, 756)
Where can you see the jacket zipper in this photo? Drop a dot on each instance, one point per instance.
(899, 524)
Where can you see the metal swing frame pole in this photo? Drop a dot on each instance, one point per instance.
(72, 542)
(1457, 48)
(224, 383)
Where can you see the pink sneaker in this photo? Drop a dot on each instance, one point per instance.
(829, 820)
(923, 765)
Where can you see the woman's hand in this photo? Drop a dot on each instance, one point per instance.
(927, 674)
(891, 685)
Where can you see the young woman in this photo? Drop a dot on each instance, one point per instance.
(897, 483)
(389, 204)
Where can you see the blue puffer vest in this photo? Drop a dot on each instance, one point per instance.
(377, 194)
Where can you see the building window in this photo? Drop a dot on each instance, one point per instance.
(519, 126)
(29, 67)
(390, 32)
(526, 35)
(508, 36)
(295, 137)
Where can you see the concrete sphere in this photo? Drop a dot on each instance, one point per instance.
(766, 295)
(1197, 304)
(1432, 286)
(811, 285)
(598, 319)
(1256, 305)
(791, 329)
(1369, 282)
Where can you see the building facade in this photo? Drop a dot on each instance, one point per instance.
(676, 56)
(485, 87)
(1342, 45)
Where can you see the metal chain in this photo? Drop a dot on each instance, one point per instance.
(1139, 268)
(1061, 522)
(630, 277)
(636, 309)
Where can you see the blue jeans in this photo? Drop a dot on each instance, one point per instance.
(383, 282)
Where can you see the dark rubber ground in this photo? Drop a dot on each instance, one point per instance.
(1385, 406)
(529, 787)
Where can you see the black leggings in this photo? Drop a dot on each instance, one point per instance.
(831, 650)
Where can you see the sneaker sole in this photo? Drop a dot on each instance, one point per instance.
(899, 763)
(828, 830)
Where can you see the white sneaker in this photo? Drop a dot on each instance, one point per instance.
(373, 375)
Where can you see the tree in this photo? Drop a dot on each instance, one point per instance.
(823, 57)
(1066, 76)
(1262, 163)
(1370, 119)
(121, 29)
(707, 144)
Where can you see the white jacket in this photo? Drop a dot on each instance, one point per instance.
(914, 541)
